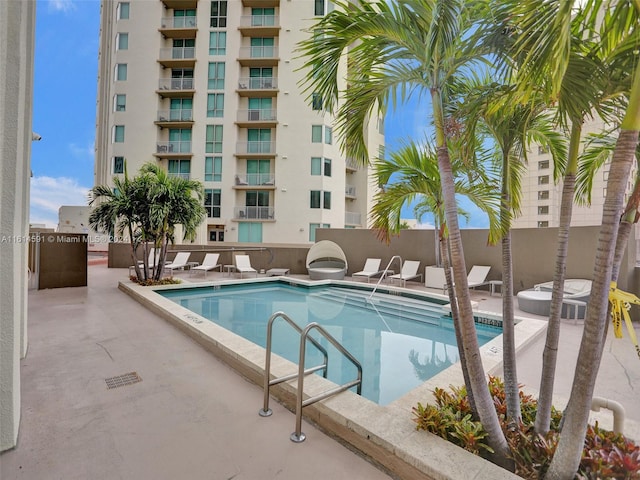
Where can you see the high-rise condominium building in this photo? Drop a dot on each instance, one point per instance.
(210, 90)
(541, 196)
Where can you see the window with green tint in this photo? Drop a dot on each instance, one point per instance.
(216, 75)
(327, 200)
(118, 134)
(179, 168)
(123, 41)
(214, 139)
(118, 165)
(120, 103)
(212, 199)
(121, 71)
(328, 135)
(180, 140)
(316, 101)
(318, 8)
(315, 199)
(263, 17)
(258, 140)
(258, 172)
(250, 232)
(313, 227)
(181, 109)
(184, 18)
(213, 169)
(327, 167)
(123, 11)
(262, 47)
(316, 133)
(215, 105)
(218, 14)
(260, 77)
(316, 166)
(217, 43)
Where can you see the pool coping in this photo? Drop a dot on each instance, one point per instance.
(384, 434)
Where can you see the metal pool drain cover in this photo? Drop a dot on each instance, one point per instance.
(122, 380)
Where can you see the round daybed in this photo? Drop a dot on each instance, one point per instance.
(326, 261)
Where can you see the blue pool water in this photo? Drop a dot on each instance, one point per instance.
(400, 341)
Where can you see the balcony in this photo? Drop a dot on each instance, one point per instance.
(350, 191)
(260, 25)
(183, 176)
(177, 57)
(260, 87)
(175, 118)
(174, 149)
(175, 87)
(180, 4)
(253, 213)
(352, 165)
(258, 56)
(255, 181)
(256, 149)
(257, 118)
(260, 3)
(352, 218)
(178, 27)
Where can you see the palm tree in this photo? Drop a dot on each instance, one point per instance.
(411, 175)
(171, 201)
(493, 109)
(396, 47)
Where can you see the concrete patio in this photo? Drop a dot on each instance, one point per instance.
(191, 416)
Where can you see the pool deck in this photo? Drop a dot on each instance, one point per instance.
(192, 416)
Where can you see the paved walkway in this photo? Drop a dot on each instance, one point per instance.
(191, 417)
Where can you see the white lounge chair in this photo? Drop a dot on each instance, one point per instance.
(476, 277)
(150, 261)
(409, 272)
(210, 262)
(243, 265)
(371, 269)
(181, 260)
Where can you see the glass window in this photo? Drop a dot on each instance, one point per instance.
(123, 11)
(120, 103)
(327, 200)
(381, 152)
(328, 135)
(214, 139)
(218, 13)
(316, 101)
(313, 227)
(218, 43)
(315, 199)
(258, 140)
(542, 149)
(262, 17)
(123, 41)
(543, 210)
(215, 105)
(316, 133)
(316, 166)
(212, 198)
(543, 165)
(213, 169)
(262, 47)
(121, 71)
(118, 133)
(318, 7)
(327, 167)
(216, 75)
(259, 172)
(543, 180)
(179, 168)
(250, 232)
(118, 165)
(543, 195)
(543, 224)
(381, 124)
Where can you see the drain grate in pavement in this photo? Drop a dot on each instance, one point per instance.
(122, 380)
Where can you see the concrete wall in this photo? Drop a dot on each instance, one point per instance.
(17, 26)
(63, 261)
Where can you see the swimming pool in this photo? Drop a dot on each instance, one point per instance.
(400, 341)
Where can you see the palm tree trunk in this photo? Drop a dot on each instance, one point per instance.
(482, 397)
(550, 353)
(567, 457)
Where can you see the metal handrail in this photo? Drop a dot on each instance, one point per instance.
(384, 273)
(266, 411)
(298, 436)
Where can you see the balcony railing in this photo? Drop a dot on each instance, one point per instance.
(350, 191)
(177, 53)
(175, 84)
(259, 52)
(179, 22)
(259, 20)
(352, 164)
(258, 83)
(257, 115)
(175, 115)
(180, 146)
(184, 176)
(255, 179)
(352, 218)
(251, 213)
(256, 147)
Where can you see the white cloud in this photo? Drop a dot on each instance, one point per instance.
(48, 194)
(61, 5)
(85, 152)
(424, 226)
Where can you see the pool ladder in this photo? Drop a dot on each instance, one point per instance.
(384, 273)
(298, 436)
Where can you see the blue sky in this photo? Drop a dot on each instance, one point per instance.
(65, 86)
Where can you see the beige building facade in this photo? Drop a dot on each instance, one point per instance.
(17, 33)
(210, 90)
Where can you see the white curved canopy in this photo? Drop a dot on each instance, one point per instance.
(326, 249)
